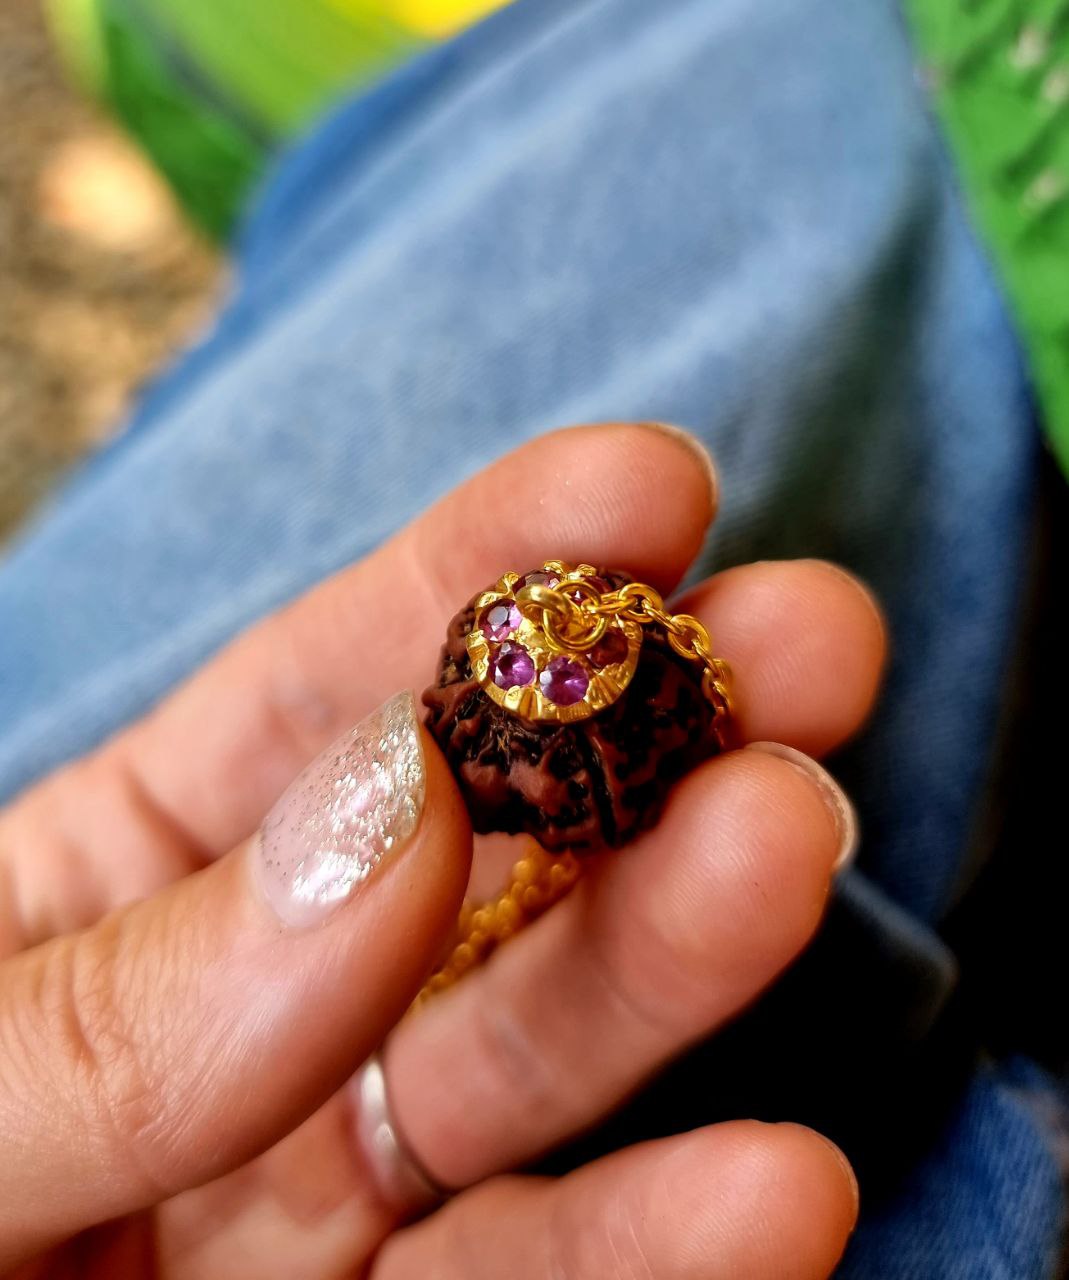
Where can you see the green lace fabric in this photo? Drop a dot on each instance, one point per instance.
(999, 72)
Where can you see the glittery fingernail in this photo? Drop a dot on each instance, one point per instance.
(354, 805)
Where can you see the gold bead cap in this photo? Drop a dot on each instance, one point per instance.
(546, 648)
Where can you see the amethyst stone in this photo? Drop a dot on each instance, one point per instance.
(501, 620)
(564, 682)
(512, 665)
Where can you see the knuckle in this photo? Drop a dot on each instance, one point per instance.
(654, 957)
(517, 1063)
(120, 1097)
(301, 710)
(656, 986)
(759, 874)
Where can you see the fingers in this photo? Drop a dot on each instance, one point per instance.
(768, 1202)
(183, 1035)
(675, 935)
(263, 708)
(804, 639)
(807, 646)
(653, 950)
(727, 888)
(669, 938)
(193, 779)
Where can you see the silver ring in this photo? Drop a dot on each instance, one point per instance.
(401, 1177)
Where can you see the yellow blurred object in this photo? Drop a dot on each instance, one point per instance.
(433, 19)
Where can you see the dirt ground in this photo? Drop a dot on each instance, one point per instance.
(100, 278)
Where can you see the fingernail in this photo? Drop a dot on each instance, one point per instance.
(356, 803)
(845, 1165)
(834, 797)
(691, 442)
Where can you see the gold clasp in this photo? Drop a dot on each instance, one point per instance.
(568, 624)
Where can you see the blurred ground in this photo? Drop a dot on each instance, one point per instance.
(100, 279)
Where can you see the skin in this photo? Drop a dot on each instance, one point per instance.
(175, 1064)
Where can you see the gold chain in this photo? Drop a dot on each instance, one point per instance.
(687, 636)
(577, 625)
(539, 879)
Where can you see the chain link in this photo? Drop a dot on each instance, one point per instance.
(686, 634)
(578, 625)
(538, 880)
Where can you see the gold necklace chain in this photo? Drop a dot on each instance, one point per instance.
(687, 636)
(537, 881)
(540, 879)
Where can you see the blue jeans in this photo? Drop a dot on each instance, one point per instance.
(731, 215)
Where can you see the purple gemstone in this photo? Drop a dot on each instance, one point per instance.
(539, 579)
(612, 647)
(564, 682)
(512, 665)
(501, 620)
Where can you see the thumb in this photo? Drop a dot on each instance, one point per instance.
(185, 1034)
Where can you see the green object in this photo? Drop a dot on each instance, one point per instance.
(282, 61)
(999, 71)
(212, 90)
(209, 156)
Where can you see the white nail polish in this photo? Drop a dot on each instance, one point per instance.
(357, 802)
(835, 798)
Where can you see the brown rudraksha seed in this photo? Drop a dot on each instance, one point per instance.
(586, 785)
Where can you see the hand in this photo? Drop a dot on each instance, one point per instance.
(178, 1041)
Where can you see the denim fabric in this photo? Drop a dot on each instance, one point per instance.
(731, 215)
(955, 1202)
